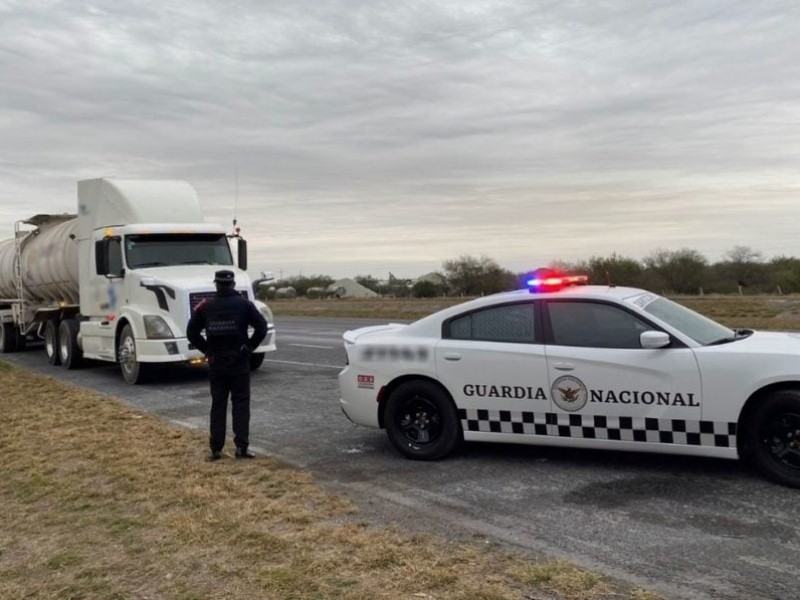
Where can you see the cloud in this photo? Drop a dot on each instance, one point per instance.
(376, 135)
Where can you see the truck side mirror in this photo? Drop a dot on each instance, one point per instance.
(108, 257)
(242, 254)
(101, 256)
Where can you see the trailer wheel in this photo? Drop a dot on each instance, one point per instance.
(51, 342)
(68, 349)
(8, 338)
(133, 371)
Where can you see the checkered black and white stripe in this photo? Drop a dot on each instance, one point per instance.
(599, 427)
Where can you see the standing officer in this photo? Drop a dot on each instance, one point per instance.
(226, 318)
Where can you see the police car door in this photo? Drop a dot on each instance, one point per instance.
(604, 385)
(492, 361)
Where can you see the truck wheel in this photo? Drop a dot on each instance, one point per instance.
(68, 350)
(133, 372)
(51, 342)
(256, 360)
(421, 421)
(774, 437)
(8, 338)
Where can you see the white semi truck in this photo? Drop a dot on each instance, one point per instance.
(118, 281)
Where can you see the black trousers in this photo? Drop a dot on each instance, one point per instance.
(230, 378)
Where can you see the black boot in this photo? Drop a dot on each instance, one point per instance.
(215, 455)
(244, 453)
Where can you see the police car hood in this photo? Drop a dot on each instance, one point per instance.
(768, 342)
(354, 335)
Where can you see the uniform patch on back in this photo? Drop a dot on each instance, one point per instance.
(222, 325)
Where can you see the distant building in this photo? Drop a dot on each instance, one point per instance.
(436, 279)
(347, 288)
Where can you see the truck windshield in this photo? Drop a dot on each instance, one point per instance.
(171, 249)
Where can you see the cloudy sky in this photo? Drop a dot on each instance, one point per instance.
(376, 135)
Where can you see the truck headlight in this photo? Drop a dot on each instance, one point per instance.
(156, 328)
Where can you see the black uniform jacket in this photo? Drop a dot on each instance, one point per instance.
(225, 319)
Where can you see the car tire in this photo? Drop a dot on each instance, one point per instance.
(421, 421)
(133, 372)
(8, 338)
(774, 437)
(69, 352)
(256, 360)
(51, 342)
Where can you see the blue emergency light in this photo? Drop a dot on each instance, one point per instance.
(549, 280)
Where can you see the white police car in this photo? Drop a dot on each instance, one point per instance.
(567, 364)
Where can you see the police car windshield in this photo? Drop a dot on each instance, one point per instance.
(701, 329)
(171, 249)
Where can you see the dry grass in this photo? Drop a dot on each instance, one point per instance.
(377, 308)
(100, 501)
(756, 312)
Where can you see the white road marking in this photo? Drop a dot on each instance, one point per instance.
(312, 346)
(294, 362)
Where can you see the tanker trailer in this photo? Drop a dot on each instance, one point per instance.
(118, 281)
(38, 280)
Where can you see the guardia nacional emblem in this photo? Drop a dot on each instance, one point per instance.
(569, 393)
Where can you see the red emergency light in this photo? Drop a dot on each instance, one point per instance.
(549, 280)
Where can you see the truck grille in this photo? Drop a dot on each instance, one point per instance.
(197, 297)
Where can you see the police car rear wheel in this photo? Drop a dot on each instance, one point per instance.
(775, 437)
(421, 421)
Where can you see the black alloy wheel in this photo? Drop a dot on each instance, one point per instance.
(776, 437)
(421, 421)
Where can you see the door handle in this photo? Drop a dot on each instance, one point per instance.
(563, 366)
(452, 356)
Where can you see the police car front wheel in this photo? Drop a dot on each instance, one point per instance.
(421, 421)
(775, 437)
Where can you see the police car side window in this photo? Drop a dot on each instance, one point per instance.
(513, 323)
(594, 325)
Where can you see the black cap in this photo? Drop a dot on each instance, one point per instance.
(224, 276)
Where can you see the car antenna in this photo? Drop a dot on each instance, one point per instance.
(235, 195)
(236, 230)
(609, 280)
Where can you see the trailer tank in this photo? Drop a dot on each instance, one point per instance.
(49, 261)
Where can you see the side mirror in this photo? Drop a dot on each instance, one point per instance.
(654, 339)
(101, 256)
(267, 276)
(242, 254)
(108, 257)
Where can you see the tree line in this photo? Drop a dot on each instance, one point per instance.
(741, 270)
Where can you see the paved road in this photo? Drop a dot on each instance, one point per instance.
(686, 527)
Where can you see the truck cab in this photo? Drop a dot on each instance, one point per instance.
(118, 281)
(151, 261)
